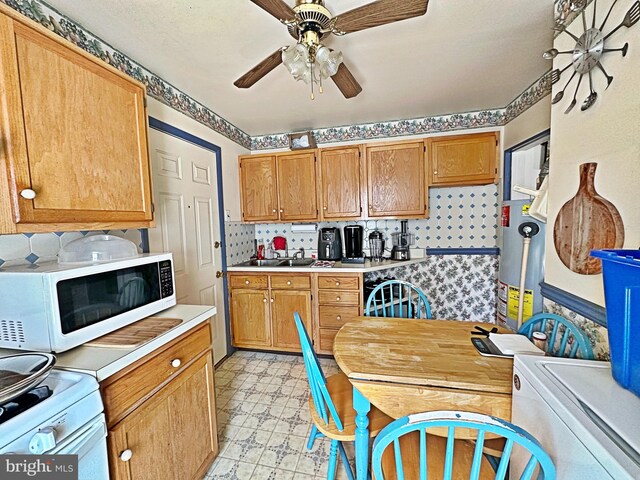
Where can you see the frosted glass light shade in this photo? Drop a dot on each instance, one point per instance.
(328, 61)
(295, 59)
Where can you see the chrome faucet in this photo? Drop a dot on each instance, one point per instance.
(299, 252)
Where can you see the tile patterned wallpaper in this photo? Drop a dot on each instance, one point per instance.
(597, 333)
(464, 217)
(239, 241)
(27, 248)
(459, 287)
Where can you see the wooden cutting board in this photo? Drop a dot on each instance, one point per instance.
(584, 223)
(136, 334)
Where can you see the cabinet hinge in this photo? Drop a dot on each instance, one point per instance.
(424, 148)
(153, 207)
(144, 102)
(497, 143)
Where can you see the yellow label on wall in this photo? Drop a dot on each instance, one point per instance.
(514, 296)
(525, 209)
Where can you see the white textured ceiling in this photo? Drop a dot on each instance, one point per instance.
(463, 55)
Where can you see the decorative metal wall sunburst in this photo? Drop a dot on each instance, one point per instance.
(589, 49)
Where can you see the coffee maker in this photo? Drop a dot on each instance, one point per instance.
(329, 244)
(353, 244)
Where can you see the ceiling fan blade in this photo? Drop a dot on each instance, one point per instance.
(346, 82)
(260, 70)
(380, 13)
(277, 8)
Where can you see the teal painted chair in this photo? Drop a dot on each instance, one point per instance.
(331, 406)
(564, 338)
(416, 454)
(397, 298)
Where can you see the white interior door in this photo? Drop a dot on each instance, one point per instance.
(185, 192)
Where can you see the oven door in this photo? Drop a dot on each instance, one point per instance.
(90, 305)
(90, 445)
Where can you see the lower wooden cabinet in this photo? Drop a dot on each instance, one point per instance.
(171, 431)
(262, 316)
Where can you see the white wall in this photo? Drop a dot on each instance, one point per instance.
(609, 134)
(535, 120)
(230, 151)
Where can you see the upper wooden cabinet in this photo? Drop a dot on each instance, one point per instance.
(73, 133)
(463, 159)
(259, 188)
(396, 180)
(340, 183)
(280, 187)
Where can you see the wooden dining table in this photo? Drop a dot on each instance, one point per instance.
(405, 366)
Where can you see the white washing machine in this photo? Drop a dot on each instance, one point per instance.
(589, 425)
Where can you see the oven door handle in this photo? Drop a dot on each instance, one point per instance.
(85, 441)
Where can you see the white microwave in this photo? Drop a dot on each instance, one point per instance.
(50, 307)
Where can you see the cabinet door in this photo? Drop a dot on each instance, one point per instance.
(258, 188)
(173, 434)
(396, 180)
(340, 183)
(250, 318)
(283, 328)
(297, 186)
(78, 134)
(463, 159)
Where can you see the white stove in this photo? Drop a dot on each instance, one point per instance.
(589, 425)
(70, 421)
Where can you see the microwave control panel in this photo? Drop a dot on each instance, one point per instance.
(166, 279)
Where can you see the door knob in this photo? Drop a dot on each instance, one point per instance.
(126, 455)
(28, 194)
(219, 274)
(216, 245)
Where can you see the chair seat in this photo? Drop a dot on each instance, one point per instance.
(341, 392)
(436, 448)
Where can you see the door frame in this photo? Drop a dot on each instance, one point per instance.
(507, 157)
(168, 129)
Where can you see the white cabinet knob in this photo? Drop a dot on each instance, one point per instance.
(337, 284)
(289, 282)
(435, 172)
(28, 194)
(282, 210)
(247, 282)
(43, 441)
(175, 363)
(264, 300)
(338, 318)
(273, 211)
(337, 299)
(272, 300)
(126, 455)
(325, 208)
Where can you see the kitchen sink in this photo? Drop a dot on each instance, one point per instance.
(259, 263)
(296, 262)
(278, 262)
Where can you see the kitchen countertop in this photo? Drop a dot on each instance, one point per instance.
(102, 362)
(368, 266)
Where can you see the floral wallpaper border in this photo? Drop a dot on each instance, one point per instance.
(420, 126)
(171, 96)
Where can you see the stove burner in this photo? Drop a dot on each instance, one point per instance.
(24, 402)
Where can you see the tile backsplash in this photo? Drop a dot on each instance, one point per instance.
(32, 248)
(459, 217)
(239, 241)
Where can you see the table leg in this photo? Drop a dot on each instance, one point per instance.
(362, 406)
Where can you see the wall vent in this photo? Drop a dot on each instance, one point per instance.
(11, 331)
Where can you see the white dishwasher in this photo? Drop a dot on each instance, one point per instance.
(70, 421)
(589, 425)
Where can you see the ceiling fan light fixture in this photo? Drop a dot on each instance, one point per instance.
(328, 61)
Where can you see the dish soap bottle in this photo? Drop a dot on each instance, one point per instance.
(268, 254)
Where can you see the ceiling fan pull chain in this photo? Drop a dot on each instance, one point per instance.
(313, 97)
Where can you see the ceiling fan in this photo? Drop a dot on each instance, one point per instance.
(309, 22)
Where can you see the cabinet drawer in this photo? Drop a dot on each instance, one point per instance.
(341, 282)
(146, 376)
(326, 337)
(338, 297)
(290, 282)
(335, 317)
(249, 281)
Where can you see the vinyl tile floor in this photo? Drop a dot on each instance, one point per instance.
(264, 422)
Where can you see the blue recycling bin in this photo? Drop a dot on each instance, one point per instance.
(621, 275)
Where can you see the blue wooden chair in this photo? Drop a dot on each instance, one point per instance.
(412, 446)
(331, 406)
(396, 298)
(565, 339)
